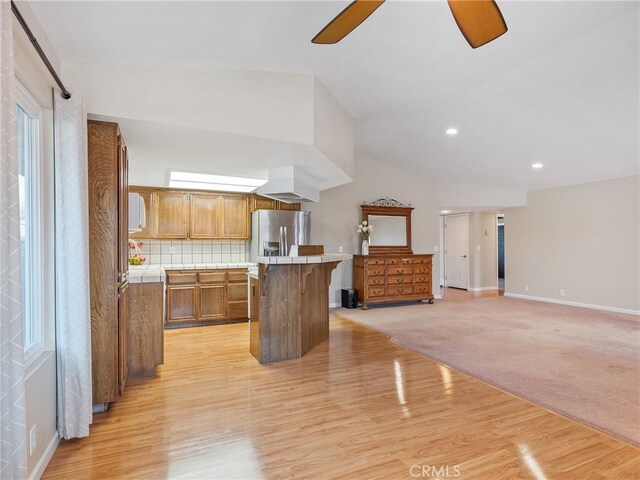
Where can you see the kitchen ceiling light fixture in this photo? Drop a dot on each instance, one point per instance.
(445, 211)
(202, 181)
(480, 21)
(537, 165)
(452, 131)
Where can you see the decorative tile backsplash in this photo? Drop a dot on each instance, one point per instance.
(167, 252)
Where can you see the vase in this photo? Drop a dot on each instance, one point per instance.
(365, 247)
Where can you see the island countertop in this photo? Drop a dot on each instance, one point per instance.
(326, 258)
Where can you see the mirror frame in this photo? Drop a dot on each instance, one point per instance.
(390, 211)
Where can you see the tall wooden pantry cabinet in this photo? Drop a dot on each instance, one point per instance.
(108, 259)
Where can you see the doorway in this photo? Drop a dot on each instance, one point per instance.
(456, 251)
(500, 246)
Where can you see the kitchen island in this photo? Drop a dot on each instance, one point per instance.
(290, 305)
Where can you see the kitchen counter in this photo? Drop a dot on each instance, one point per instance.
(326, 258)
(150, 273)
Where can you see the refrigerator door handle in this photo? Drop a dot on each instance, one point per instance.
(281, 239)
(286, 242)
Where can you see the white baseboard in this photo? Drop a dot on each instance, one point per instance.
(482, 289)
(45, 459)
(574, 304)
(438, 297)
(335, 305)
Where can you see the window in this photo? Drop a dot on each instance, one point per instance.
(29, 139)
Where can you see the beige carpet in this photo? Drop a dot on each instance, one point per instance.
(581, 363)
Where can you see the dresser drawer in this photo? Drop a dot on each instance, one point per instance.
(375, 271)
(423, 278)
(422, 269)
(375, 292)
(375, 281)
(421, 260)
(400, 280)
(422, 289)
(406, 261)
(399, 290)
(393, 261)
(374, 261)
(399, 270)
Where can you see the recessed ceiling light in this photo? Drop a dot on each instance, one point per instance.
(445, 211)
(536, 165)
(452, 131)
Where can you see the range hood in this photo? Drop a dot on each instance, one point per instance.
(289, 185)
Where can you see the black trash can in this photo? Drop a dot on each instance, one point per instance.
(349, 298)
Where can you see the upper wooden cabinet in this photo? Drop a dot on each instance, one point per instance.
(204, 216)
(235, 216)
(258, 202)
(181, 214)
(171, 210)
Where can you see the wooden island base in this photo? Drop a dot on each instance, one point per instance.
(289, 310)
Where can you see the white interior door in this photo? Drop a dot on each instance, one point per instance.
(456, 250)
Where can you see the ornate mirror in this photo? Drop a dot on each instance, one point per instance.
(391, 222)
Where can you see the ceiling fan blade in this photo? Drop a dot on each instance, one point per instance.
(480, 21)
(346, 21)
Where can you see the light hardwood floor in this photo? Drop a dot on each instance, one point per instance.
(355, 407)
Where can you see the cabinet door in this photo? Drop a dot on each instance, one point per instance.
(212, 302)
(181, 304)
(171, 214)
(123, 210)
(123, 326)
(204, 216)
(262, 203)
(147, 231)
(235, 216)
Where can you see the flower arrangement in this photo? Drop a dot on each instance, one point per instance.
(136, 258)
(364, 229)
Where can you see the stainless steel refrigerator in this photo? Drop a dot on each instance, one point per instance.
(274, 231)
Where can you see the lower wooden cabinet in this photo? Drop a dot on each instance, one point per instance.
(206, 296)
(123, 327)
(211, 302)
(181, 303)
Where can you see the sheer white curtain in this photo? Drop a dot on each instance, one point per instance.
(73, 314)
(13, 454)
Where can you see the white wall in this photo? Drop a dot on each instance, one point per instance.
(464, 197)
(584, 239)
(335, 217)
(41, 374)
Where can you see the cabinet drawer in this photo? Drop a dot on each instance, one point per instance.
(423, 269)
(213, 277)
(375, 271)
(400, 280)
(375, 292)
(422, 289)
(374, 261)
(179, 278)
(392, 261)
(237, 292)
(406, 261)
(399, 270)
(421, 260)
(423, 278)
(376, 281)
(238, 277)
(238, 309)
(399, 290)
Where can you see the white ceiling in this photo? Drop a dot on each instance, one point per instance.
(561, 87)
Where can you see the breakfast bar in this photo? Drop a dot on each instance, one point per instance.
(289, 299)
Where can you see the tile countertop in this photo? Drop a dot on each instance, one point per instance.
(150, 273)
(326, 258)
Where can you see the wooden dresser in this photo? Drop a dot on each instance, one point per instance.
(392, 278)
